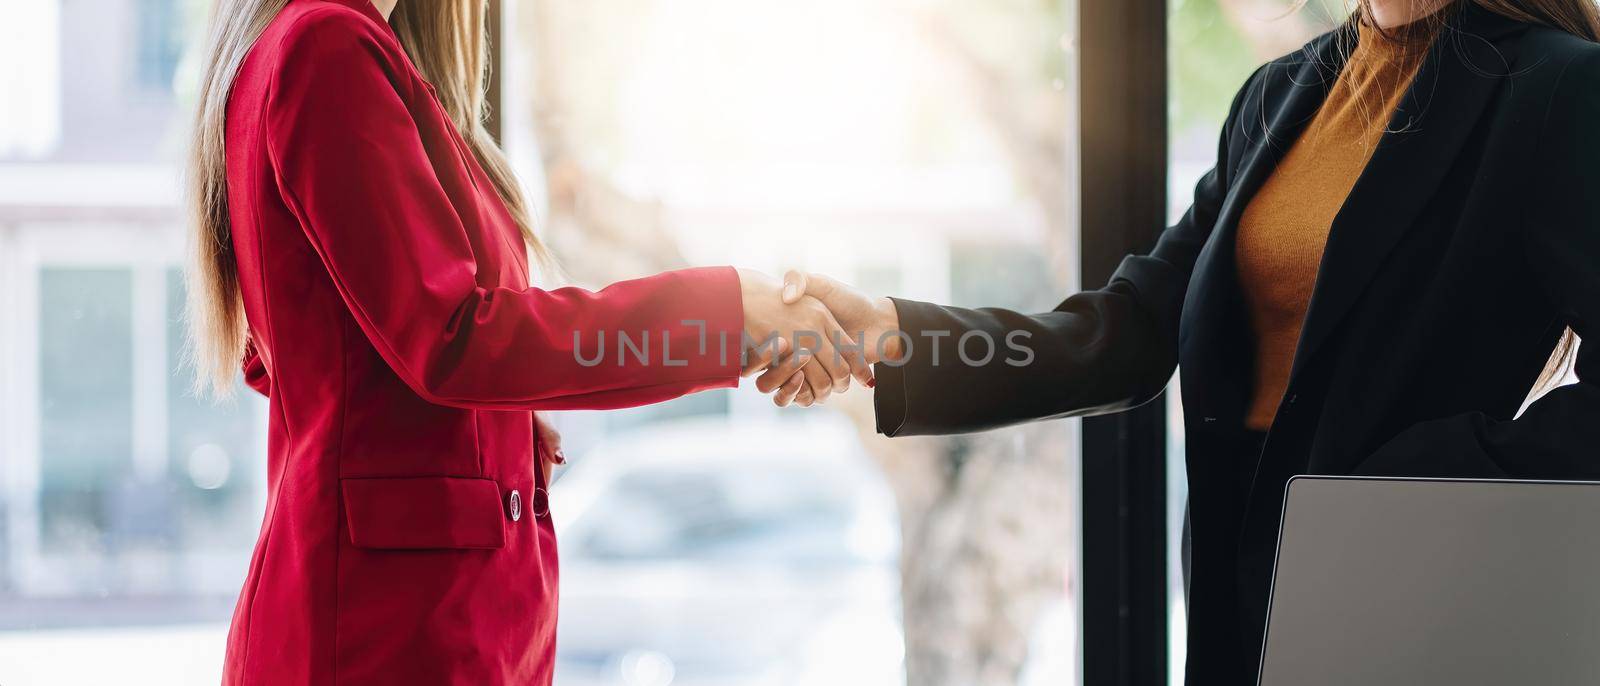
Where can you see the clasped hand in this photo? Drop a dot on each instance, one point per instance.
(809, 336)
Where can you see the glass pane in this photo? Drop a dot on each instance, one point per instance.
(917, 150)
(709, 513)
(113, 549)
(214, 468)
(147, 501)
(86, 411)
(102, 84)
(159, 42)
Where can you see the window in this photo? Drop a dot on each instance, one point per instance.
(787, 516)
(918, 150)
(128, 508)
(85, 406)
(128, 460)
(159, 42)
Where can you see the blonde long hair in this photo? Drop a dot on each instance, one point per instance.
(449, 43)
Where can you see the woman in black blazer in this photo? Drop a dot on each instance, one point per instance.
(1468, 246)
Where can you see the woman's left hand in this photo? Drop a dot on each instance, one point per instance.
(790, 365)
(551, 440)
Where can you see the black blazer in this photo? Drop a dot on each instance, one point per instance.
(1470, 241)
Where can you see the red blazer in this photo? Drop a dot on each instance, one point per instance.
(406, 537)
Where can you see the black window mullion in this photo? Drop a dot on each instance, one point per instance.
(1123, 162)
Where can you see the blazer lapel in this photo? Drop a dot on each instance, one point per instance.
(1456, 80)
(1213, 321)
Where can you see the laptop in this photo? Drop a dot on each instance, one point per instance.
(1417, 582)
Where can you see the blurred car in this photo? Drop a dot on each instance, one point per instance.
(713, 553)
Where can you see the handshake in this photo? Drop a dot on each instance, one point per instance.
(809, 335)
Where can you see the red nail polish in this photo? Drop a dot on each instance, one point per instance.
(872, 383)
(559, 457)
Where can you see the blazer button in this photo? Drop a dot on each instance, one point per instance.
(514, 505)
(541, 502)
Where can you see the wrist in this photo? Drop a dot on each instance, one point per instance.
(755, 290)
(886, 322)
(749, 282)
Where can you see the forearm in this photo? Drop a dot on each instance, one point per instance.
(633, 343)
(969, 370)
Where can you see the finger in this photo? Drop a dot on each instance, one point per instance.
(774, 376)
(833, 360)
(860, 369)
(849, 363)
(551, 439)
(819, 381)
(819, 286)
(805, 398)
(762, 356)
(794, 286)
(851, 359)
(800, 353)
(814, 354)
(790, 388)
(854, 342)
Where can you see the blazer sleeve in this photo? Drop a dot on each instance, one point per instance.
(353, 167)
(1557, 436)
(255, 371)
(1097, 352)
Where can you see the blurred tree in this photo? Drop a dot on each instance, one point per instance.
(600, 233)
(1215, 44)
(989, 518)
(1010, 57)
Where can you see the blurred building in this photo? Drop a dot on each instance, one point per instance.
(115, 483)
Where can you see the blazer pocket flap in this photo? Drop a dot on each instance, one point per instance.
(419, 513)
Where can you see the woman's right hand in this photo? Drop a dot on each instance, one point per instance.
(551, 440)
(803, 352)
(874, 319)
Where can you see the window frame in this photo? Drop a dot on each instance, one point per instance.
(1122, 192)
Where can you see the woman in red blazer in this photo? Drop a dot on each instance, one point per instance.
(362, 247)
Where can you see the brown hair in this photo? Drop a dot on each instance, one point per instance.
(448, 42)
(1578, 17)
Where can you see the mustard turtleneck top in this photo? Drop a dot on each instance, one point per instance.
(1283, 229)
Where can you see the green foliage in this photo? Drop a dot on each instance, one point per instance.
(1209, 59)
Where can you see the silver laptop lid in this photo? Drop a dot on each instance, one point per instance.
(1415, 582)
